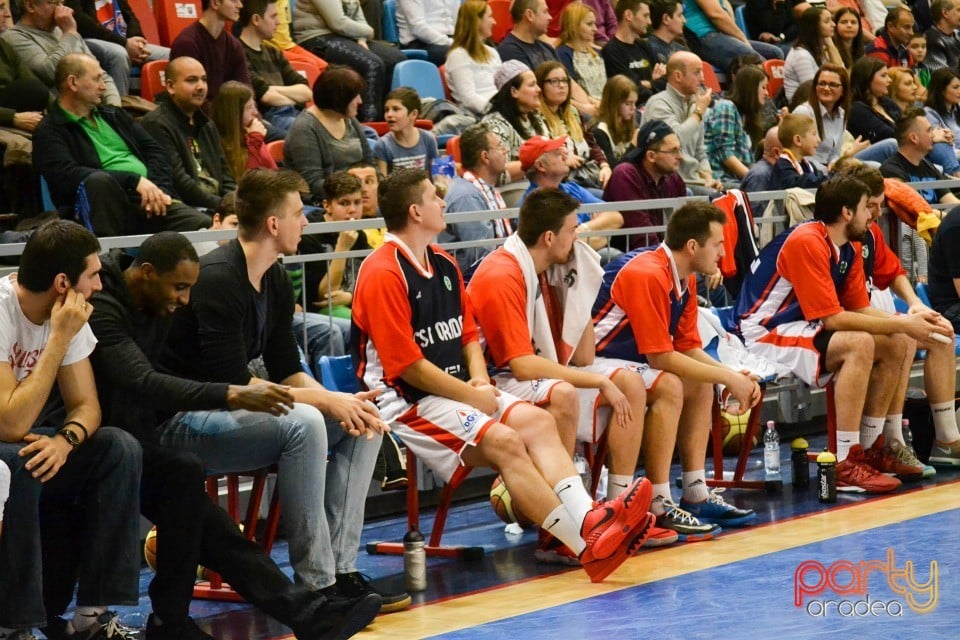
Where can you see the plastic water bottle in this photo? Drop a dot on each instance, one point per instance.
(415, 561)
(771, 449)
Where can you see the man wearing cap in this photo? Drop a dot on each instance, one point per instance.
(649, 172)
(483, 157)
(682, 106)
(544, 161)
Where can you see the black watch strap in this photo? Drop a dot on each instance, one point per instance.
(70, 437)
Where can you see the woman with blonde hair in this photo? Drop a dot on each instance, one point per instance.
(588, 165)
(242, 133)
(616, 126)
(578, 30)
(904, 88)
(471, 63)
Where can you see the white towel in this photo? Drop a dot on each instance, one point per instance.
(576, 283)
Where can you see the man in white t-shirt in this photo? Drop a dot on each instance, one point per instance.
(82, 481)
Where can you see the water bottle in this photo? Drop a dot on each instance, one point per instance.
(907, 434)
(801, 464)
(771, 449)
(415, 561)
(827, 476)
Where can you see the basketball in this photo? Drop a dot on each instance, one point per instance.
(503, 505)
(150, 551)
(734, 429)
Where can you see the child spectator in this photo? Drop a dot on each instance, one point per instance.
(918, 50)
(242, 132)
(798, 135)
(404, 145)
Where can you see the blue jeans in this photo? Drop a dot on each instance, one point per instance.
(719, 49)
(944, 156)
(878, 151)
(322, 501)
(81, 525)
(326, 336)
(280, 119)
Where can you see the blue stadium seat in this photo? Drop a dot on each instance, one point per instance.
(390, 30)
(740, 16)
(420, 75)
(338, 375)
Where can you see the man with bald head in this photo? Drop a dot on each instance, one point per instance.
(681, 106)
(201, 173)
(760, 175)
(103, 167)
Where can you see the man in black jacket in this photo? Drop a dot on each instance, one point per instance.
(201, 174)
(131, 321)
(102, 165)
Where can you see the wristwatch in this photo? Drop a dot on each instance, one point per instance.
(70, 437)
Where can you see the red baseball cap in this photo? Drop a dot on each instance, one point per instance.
(533, 148)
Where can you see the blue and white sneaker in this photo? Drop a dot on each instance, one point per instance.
(687, 527)
(717, 511)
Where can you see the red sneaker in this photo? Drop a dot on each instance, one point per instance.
(855, 475)
(609, 522)
(551, 550)
(599, 568)
(886, 460)
(660, 537)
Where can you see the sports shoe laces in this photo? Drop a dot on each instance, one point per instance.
(717, 499)
(905, 455)
(862, 471)
(674, 512)
(113, 629)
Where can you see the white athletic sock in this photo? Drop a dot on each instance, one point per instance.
(695, 486)
(660, 491)
(4, 486)
(565, 528)
(617, 485)
(945, 422)
(893, 429)
(575, 498)
(870, 429)
(86, 617)
(845, 440)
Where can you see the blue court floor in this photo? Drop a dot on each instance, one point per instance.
(880, 567)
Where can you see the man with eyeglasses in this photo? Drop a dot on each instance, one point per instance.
(649, 172)
(45, 34)
(483, 157)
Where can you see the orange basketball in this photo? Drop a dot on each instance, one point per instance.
(734, 430)
(502, 505)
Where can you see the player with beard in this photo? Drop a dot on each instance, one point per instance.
(806, 306)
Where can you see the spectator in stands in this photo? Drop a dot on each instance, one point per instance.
(849, 36)
(483, 157)
(942, 109)
(918, 51)
(471, 63)
(283, 41)
(280, 90)
(45, 34)
(904, 88)
(453, 364)
(511, 292)
(404, 145)
(76, 477)
(813, 47)
(615, 129)
(873, 114)
(760, 175)
(647, 173)
(716, 33)
(870, 14)
(217, 334)
(112, 32)
(241, 131)
(530, 20)
(628, 54)
(338, 32)
(369, 179)
(646, 313)
(915, 140)
(890, 45)
(772, 21)
(943, 43)
(514, 113)
(327, 136)
(577, 51)
(799, 309)
(682, 106)
(545, 164)
(734, 126)
(798, 135)
(124, 174)
(588, 165)
(428, 25)
(131, 320)
(666, 30)
(209, 41)
(886, 277)
(201, 173)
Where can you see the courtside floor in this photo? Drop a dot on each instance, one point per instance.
(881, 567)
